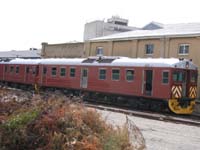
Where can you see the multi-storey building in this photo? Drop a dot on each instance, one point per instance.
(101, 28)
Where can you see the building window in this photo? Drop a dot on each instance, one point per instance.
(183, 49)
(149, 49)
(165, 77)
(62, 72)
(17, 69)
(72, 72)
(53, 71)
(129, 75)
(102, 74)
(115, 74)
(99, 51)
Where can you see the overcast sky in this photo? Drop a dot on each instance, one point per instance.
(28, 23)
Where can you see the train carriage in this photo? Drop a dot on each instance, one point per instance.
(20, 72)
(139, 82)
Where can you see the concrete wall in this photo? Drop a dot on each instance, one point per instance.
(64, 50)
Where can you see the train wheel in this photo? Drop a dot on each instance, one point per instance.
(176, 108)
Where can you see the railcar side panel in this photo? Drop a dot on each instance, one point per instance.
(1, 71)
(53, 78)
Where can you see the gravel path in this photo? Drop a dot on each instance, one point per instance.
(160, 135)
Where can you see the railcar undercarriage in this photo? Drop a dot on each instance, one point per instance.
(131, 102)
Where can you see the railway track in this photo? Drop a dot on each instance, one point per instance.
(193, 120)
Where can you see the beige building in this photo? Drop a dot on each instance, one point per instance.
(63, 50)
(176, 40)
(154, 40)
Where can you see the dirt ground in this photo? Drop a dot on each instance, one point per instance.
(161, 135)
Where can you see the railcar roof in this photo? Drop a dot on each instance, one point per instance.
(109, 61)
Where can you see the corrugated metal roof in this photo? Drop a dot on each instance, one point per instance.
(21, 54)
(168, 30)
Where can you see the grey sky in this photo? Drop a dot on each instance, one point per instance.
(28, 23)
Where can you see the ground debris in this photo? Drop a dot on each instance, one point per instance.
(55, 121)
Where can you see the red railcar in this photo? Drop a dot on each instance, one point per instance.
(172, 81)
(20, 71)
(1, 72)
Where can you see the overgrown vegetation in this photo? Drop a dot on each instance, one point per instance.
(57, 124)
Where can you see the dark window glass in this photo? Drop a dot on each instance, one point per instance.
(193, 77)
(44, 70)
(27, 69)
(149, 49)
(17, 69)
(102, 74)
(33, 70)
(11, 69)
(99, 51)
(62, 72)
(53, 71)
(178, 76)
(129, 75)
(72, 72)
(165, 77)
(115, 74)
(184, 49)
(6, 68)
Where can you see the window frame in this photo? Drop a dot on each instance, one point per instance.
(52, 71)
(17, 69)
(34, 70)
(12, 69)
(100, 74)
(126, 75)
(71, 72)
(99, 50)
(44, 70)
(168, 78)
(146, 49)
(184, 50)
(61, 72)
(112, 74)
(27, 69)
(6, 68)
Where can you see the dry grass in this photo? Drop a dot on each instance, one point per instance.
(57, 124)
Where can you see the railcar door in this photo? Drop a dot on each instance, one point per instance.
(84, 78)
(147, 82)
(43, 75)
(26, 72)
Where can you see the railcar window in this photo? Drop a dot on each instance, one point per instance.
(129, 75)
(178, 76)
(6, 68)
(17, 69)
(72, 72)
(27, 69)
(11, 69)
(102, 74)
(62, 72)
(44, 70)
(115, 74)
(33, 70)
(53, 71)
(165, 77)
(193, 77)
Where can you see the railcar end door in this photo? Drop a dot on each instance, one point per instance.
(147, 82)
(84, 78)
